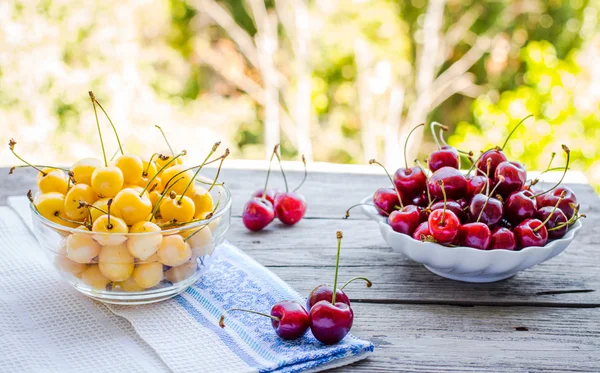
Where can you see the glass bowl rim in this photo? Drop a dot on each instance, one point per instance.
(220, 212)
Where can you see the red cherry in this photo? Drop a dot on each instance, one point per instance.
(503, 238)
(556, 221)
(567, 205)
(514, 177)
(410, 181)
(269, 196)
(257, 214)
(520, 206)
(386, 200)
(325, 292)
(422, 232)
(447, 156)
(290, 207)
(330, 323)
(405, 220)
(475, 185)
(531, 232)
(420, 200)
(496, 156)
(453, 206)
(492, 209)
(476, 235)
(443, 226)
(455, 183)
(289, 319)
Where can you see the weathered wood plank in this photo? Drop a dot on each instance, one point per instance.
(475, 339)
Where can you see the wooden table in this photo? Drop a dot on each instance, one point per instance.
(544, 319)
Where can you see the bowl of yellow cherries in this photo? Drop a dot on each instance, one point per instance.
(130, 231)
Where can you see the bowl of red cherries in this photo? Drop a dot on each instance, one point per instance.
(481, 225)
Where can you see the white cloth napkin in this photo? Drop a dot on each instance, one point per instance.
(183, 332)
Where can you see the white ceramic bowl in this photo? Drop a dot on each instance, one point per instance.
(465, 263)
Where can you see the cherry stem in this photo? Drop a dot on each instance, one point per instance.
(568, 152)
(406, 142)
(193, 167)
(145, 173)
(57, 214)
(98, 125)
(109, 226)
(165, 137)
(369, 283)
(513, 131)
(162, 196)
(562, 196)
(219, 169)
(339, 237)
(11, 145)
(208, 216)
(40, 166)
(373, 161)
(212, 151)
(196, 231)
(281, 168)
(90, 206)
(500, 180)
(222, 318)
(111, 124)
(441, 136)
(362, 204)
(183, 152)
(576, 216)
(264, 195)
(441, 184)
(305, 173)
(475, 162)
(432, 126)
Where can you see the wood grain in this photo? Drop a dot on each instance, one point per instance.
(476, 339)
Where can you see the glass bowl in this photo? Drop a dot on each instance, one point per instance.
(135, 268)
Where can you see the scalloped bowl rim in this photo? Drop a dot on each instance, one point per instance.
(220, 212)
(372, 213)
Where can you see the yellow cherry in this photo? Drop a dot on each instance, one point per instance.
(154, 197)
(170, 174)
(101, 209)
(149, 170)
(135, 187)
(64, 264)
(177, 208)
(83, 169)
(82, 248)
(152, 258)
(164, 157)
(129, 285)
(148, 275)
(107, 181)
(52, 207)
(181, 272)
(108, 229)
(115, 262)
(94, 278)
(132, 167)
(143, 246)
(174, 251)
(52, 180)
(79, 192)
(131, 207)
(203, 202)
(200, 240)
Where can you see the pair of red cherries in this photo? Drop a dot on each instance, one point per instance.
(267, 204)
(328, 314)
(512, 216)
